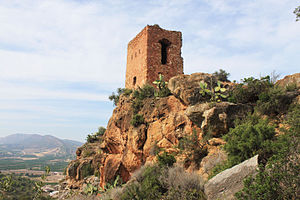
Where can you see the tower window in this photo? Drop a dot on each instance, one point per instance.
(134, 81)
(164, 50)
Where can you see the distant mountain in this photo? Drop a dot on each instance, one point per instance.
(37, 145)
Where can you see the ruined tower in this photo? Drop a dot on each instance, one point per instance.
(152, 52)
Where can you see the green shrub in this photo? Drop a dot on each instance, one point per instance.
(115, 97)
(90, 189)
(155, 182)
(291, 87)
(250, 136)
(147, 186)
(101, 131)
(222, 75)
(163, 92)
(87, 153)
(247, 138)
(147, 91)
(279, 178)
(165, 159)
(86, 170)
(137, 120)
(136, 106)
(249, 90)
(193, 148)
(91, 138)
(273, 102)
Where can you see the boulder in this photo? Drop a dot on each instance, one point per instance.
(218, 117)
(225, 184)
(289, 80)
(187, 87)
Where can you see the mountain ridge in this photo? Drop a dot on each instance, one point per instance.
(31, 144)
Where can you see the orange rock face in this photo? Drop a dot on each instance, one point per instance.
(124, 148)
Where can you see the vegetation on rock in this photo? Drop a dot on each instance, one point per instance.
(93, 137)
(162, 182)
(193, 148)
(115, 97)
(249, 89)
(279, 178)
(221, 75)
(143, 125)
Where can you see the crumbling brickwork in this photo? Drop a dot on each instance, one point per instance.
(153, 51)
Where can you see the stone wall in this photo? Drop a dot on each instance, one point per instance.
(144, 56)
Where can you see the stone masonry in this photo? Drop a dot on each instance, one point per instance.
(152, 52)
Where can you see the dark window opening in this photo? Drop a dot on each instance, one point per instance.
(164, 50)
(134, 81)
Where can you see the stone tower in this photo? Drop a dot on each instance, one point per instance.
(152, 52)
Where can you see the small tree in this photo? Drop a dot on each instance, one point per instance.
(222, 75)
(115, 97)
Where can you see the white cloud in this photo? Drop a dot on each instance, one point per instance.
(85, 41)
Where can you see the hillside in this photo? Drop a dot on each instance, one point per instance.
(194, 124)
(22, 151)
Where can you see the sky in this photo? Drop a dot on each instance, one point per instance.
(61, 59)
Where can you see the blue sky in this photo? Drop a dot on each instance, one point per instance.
(61, 59)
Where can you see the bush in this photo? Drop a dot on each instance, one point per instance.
(93, 137)
(154, 182)
(279, 179)
(147, 91)
(250, 136)
(273, 102)
(115, 97)
(182, 185)
(86, 170)
(291, 87)
(249, 90)
(247, 138)
(101, 131)
(222, 75)
(137, 120)
(87, 153)
(147, 186)
(136, 105)
(163, 92)
(193, 148)
(166, 160)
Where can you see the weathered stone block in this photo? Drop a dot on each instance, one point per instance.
(225, 184)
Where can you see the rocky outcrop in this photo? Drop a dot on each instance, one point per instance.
(225, 184)
(290, 80)
(124, 148)
(217, 118)
(187, 87)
